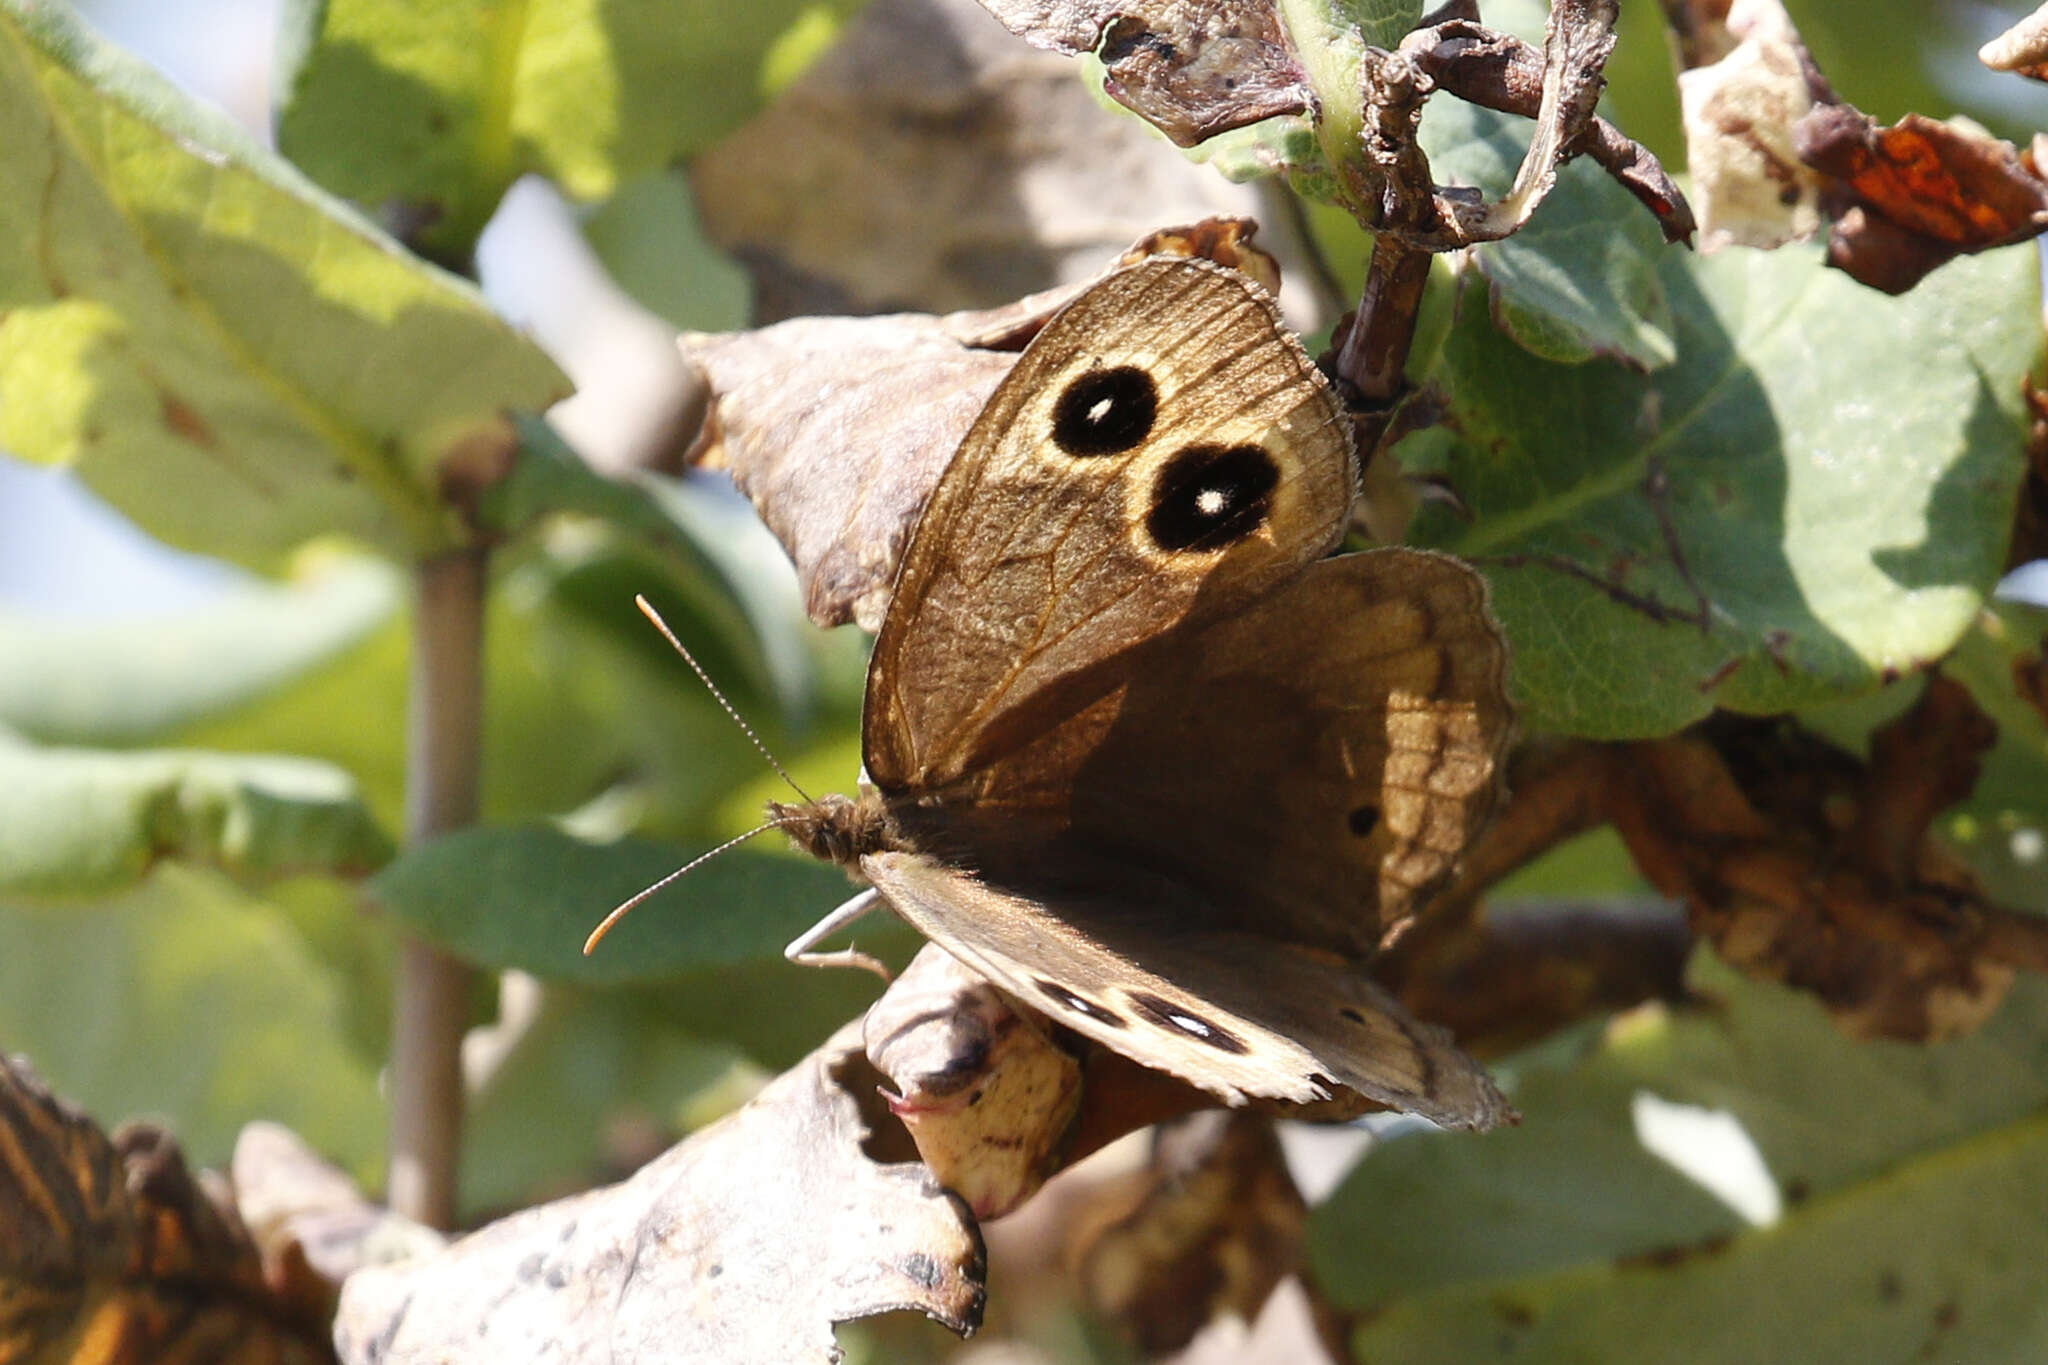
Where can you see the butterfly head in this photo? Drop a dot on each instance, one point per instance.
(838, 829)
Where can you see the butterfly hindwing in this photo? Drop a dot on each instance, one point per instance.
(1269, 1020)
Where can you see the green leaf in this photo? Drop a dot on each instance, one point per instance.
(651, 242)
(1815, 497)
(1580, 279)
(114, 681)
(1940, 1261)
(583, 1068)
(441, 107)
(77, 822)
(2003, 827)
(187, 1000)
(526, 897)
(1570, 1239)
(230, 357)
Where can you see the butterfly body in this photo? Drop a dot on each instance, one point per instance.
(1136, 751)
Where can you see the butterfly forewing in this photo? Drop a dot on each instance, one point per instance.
(1163, 444)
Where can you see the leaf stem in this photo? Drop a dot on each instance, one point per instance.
(431, 1001)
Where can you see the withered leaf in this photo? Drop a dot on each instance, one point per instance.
(113, 1252)
(311, 1225)
(1191, 68)
(839, 428)
(1804, 865)
(2023, 48)
(1206, 1231)
(985, 1093)
(1917, 193)
(743, 1244)
(928, 160)
(1739, 111)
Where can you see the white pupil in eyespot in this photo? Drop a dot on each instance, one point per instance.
(1186, 1024)
(1099, 412)
(1211, 502)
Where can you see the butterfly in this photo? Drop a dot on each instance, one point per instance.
(1136, 751)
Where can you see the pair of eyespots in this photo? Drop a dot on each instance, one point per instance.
(1207, 497)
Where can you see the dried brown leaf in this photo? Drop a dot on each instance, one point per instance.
(113, 1252)
(985, 1093)
(931, 161)
(2023, 48)
(1805, 865)
(1739, 112)
(311, 1225)
(1207, 1231)
(1917, 193)
(1191, 68)
(743, 1244)
(839, 428)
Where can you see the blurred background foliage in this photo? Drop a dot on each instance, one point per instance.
(193, 928)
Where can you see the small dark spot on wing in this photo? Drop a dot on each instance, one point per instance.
(1183, 1020)
(1105, 412)
(1079, 1004)
(1210, 497)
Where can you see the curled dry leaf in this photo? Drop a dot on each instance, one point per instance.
(1806, 866)
(1292, 1329)
(1740, 107)
(312, 1227)
(984, 1091)
(743, 1244)
(931, 161)
(1190, 68)
(1918, 193)
(2023, 48)
(112, 1251)
(1206, 1231)
(838, 428)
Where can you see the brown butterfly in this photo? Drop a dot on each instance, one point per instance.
(1135, 750)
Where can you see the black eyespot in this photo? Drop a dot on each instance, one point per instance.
(1080, 1005)
(1363, 821)
(1105, 411)
(1182, 1020)
(1208, 497)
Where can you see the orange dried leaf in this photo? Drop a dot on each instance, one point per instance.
(113, 1253)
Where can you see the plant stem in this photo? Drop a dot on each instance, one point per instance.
(430, 1005)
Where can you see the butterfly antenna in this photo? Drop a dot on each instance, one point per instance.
(647, 610)
(620, 913)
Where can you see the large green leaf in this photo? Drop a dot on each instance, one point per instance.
(441, 107)
(77, 822)
(226, 354)
(585, 1068)
(1580, 279)
(1901, 1172)
(121, 680)
(187, 1000)
(1815, 497)
(526, 897)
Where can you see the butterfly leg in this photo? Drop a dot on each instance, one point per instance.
(799, 949)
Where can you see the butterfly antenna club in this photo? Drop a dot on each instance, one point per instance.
(647, 610)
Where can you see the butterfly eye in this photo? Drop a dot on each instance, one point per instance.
(1105, 412)
(1209, 497)
(1180, 1019)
